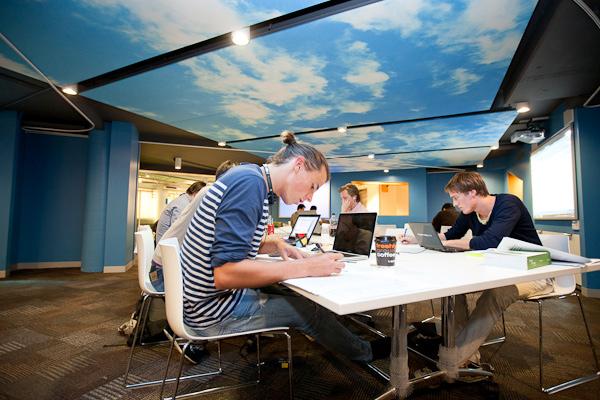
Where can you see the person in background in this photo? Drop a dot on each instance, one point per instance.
(171, 212)
(218, 258)
(313, 208)
(298, 211)
(351, 199)
(157, 315)
(490, 218)
(446, 217)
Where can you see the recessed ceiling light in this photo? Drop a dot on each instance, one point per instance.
(495, 147)
(177, 162)
(72, 90)
(386, 170)
(480, 165)
(371, 156)
(241, 37)
(222, 144)
(522, 107)
(342, 129)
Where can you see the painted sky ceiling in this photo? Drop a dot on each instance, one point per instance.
(393, 60)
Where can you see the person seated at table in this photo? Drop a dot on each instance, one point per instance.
(171, 212)
(490, 218)
(446, 217)
(221, 274)
(351, 199)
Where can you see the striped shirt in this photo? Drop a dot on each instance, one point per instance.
(227, 226)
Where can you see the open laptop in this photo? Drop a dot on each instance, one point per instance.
(305, 223)
(354, 236)
(428, 238)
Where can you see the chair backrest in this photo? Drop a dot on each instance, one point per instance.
(145, 250)
(144, 228)
(557, 242)
(173, 285)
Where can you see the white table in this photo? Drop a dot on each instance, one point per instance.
(363, 286)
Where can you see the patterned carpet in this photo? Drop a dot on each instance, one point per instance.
(59, 340)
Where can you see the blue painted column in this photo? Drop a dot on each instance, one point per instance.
(9, 157)
(94, 220)
(587, 123)
(121, 196)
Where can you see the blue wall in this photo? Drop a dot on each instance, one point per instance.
(9, 160)
(51, 193)
(416, 178)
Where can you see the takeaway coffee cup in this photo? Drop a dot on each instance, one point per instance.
(385, 250)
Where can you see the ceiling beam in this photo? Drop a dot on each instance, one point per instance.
(277, 24)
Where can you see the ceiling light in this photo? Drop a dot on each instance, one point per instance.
(177, 162)
(386, 170)
(522, 107)
(342, 129)
(495, 147)
(222, 144)
(241, 37)
(371, 156)
(72, 90)
(480, 165)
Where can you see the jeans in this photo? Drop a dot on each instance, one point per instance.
(258, 310)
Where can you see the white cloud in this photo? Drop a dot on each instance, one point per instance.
(364, 69)
(493, 49)
(463, 79)
(307, 112)
(355, 107)
(249, 113)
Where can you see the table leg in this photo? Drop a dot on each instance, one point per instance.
(401, 386)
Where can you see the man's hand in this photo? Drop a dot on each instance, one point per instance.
(288, 251)
(323, 264)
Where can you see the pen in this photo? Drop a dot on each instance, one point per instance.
(319, 247)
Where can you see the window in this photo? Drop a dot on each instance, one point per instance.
(385, 198)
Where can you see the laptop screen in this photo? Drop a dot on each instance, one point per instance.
(305, 224)
(355, 233)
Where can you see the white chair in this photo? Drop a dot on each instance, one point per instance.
(174, 305)
(564, 286)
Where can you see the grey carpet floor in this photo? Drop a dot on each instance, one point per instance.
(59, 340)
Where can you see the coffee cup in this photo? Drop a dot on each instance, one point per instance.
(385, 250)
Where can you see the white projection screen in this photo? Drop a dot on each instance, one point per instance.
(553, 178)
(320, 199)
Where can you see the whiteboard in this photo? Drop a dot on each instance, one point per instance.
(553, 178)
(320, 199)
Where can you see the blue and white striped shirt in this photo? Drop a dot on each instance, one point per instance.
(227, 227)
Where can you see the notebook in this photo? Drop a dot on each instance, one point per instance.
(354, 236)
(428, 238)
(304, 224)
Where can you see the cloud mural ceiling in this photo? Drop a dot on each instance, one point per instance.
(392, 60)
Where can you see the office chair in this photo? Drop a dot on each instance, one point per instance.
(174, 304)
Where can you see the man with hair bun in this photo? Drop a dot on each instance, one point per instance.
(221, 274)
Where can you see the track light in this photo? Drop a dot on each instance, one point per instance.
(342, 129)
(371, 156)
(72, 90)
(495, 147)
(480, 165)
(241, 37)
(386, 171)
(222, 144)
(522, 107)
(177, 162)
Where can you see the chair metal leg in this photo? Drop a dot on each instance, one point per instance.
(171, 348)
(541, 340)
(136, 334)
(258, 358)
(432, 313)
(576, 381)
(290, 363)
(499, 339)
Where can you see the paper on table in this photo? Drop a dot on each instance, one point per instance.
(508, 243)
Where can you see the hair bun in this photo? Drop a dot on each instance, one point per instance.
(288, 137)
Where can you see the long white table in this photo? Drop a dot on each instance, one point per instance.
(362, 286)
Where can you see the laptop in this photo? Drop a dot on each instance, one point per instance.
(305, 223)
(354, 236)
(428, 238)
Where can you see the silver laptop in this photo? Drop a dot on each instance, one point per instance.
(305, 223)
(428, 238)
(354, 236)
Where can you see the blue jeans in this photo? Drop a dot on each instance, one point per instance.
(156, 277)
(258, 310)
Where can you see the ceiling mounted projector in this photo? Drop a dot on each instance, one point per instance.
(531, 135)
